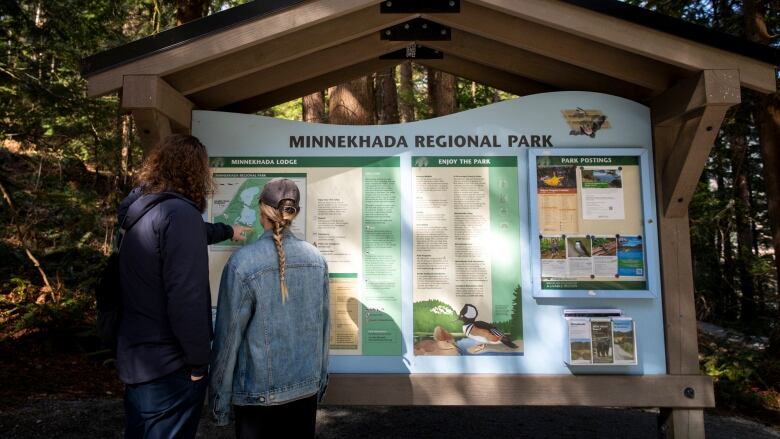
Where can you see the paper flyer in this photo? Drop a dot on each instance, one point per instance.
(553, 256)
(557, 199)
(602, 193)
(624, 337)
(578, 256)
(604, 252)
(631, 256)
(466, 284)
(601, 331)
(579, 341)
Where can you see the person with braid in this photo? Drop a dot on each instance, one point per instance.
(270, 355)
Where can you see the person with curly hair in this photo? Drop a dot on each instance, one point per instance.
(165, 329)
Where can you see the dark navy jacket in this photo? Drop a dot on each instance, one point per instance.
(166, 302)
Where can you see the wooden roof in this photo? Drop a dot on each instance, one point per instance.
(263, 53)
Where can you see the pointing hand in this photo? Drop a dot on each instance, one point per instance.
(240, 232)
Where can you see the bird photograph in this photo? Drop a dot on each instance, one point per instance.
(579, 247)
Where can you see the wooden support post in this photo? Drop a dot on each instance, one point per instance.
(158, 109)
(681, 423)
(698, 106)
(686, 120)
(152, 126)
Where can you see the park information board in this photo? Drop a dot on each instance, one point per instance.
(455, 244)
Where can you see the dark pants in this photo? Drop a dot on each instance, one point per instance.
(168, 407)
(295, 419)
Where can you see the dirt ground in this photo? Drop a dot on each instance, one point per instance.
(102, 418)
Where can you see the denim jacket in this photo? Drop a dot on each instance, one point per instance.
(266, 352)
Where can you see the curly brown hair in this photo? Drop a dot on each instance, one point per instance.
(178, 164)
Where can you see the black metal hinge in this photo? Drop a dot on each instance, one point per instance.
(417, 29)
(414, 51)
(412, 6)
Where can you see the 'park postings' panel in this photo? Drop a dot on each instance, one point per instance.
(590, 222)
(350, 212)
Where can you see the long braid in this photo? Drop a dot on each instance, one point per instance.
(281, 220)
(278, 229)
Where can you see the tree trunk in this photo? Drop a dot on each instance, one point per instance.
(769, 134)
(441, 92)
(748, 303)
(386, 97)
(406, 93)
(767, 114)
(313, 107)
(728, 302)
(127, 150)
(352, 103)
(189, 10)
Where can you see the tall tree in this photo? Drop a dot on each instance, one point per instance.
(352, 103)
(749, 302)
(406, 92)
(767, 115)
(313, 107)
(386, 97)
(441, 92)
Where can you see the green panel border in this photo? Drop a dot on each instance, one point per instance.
(303, 162)
(586, 160)
(463, 161)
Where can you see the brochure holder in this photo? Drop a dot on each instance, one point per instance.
(600, 337)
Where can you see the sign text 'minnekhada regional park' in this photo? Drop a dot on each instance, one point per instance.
(429, 141)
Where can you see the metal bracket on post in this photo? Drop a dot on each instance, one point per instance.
(417, 29)
(412, 6)
(414, 51)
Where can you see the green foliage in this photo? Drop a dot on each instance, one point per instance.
(471, 94)
(74, 310)
(516, 321)
(742, 376)
(428, 314)
(291, 110)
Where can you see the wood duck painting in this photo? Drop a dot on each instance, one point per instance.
(482, 332)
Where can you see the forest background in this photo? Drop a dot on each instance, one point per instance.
(66, 160)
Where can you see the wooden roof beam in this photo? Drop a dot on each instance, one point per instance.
(553, 43)
(698, 107)
(536, 67)
(711, 87)
(486, 75)
(157, 108)
(284, 48)
(227, 41)
(635, 38)
(291, 72)
(312, 85)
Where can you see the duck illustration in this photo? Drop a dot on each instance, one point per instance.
(480, 331)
